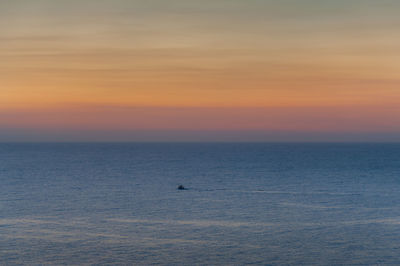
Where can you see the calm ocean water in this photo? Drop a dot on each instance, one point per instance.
(277, 204)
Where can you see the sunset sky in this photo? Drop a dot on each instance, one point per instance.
(205, 70)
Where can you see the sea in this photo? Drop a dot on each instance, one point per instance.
(243, 203)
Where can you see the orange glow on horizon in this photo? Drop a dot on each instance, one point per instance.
(254, 66)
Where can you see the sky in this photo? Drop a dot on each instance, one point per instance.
(205, 70)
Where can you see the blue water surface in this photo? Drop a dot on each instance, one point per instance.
(245, 203)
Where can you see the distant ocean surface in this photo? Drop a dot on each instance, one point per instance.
(267, 204)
